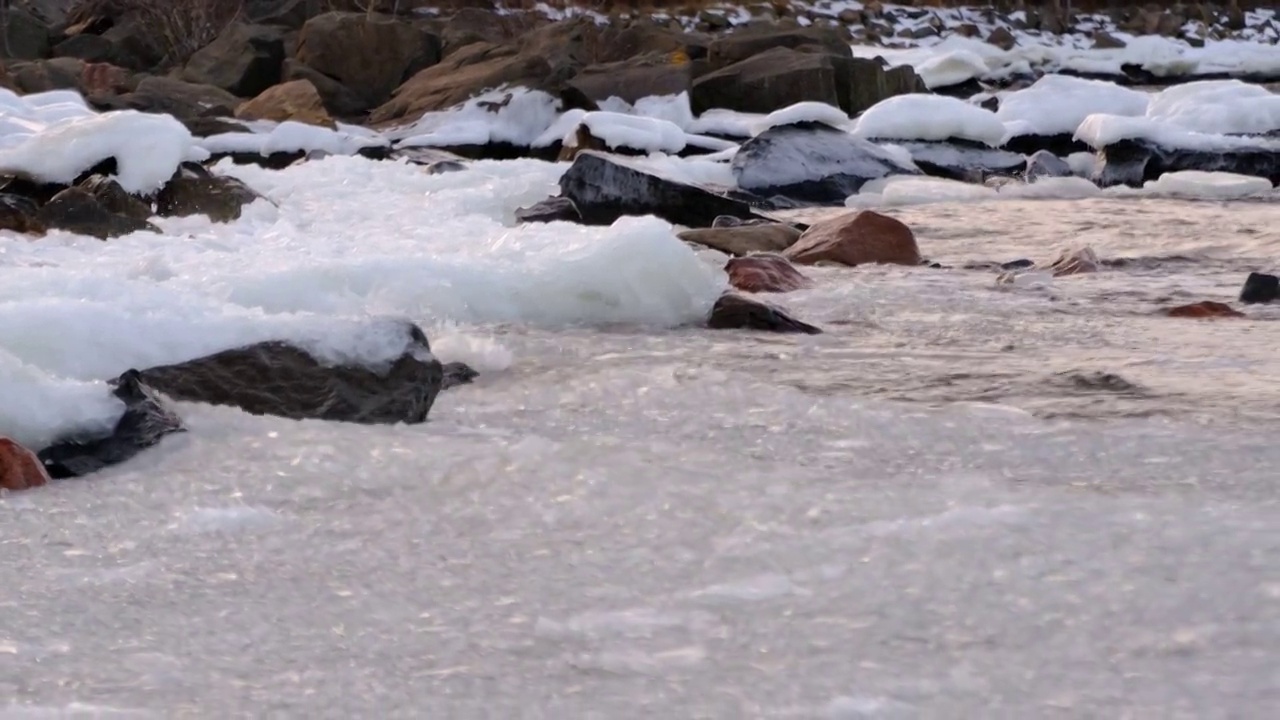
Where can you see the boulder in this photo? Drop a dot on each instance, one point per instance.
(114, 198)
(856, 238)
(812, 163)
(89, 48)
(1260, 288)
(339, 100)
(1075, 261)
(20, 469)
(137, 46)
(963, 160)
(283, 380)
(471, 25)
(1044, 164)
(744, 239)
(764, 272)
(1133, 162)
(244, 60)
(146, 420)
(45, 75)
(735, 48)
(607, 187)
(772, 80)
(371, 54)
(181, 99)
(1204, 309)
(469, 72)
(26, 38)
(77, 210)
(195, 191)
(20, 214)
(735, 312)
(297, 100)
(631, 80)
(556, 209)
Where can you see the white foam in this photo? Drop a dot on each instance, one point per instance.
(1057, 104)
(929, 117)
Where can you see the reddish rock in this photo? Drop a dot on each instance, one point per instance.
(19, 467)
(856, 238)
(764, 273)
(1075, 262)
(1204, 309)
(102, 80)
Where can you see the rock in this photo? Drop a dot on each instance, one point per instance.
(20, 469)
(181, 99)
(1075, 261)
(1260, 288)
(584, 140)
(340, 100)
(556, 209)
(1204, 309)
(21, 215)
(811, 163)
(729, 221)
(764, 272)
(1044, 164)
(370, 54)
(297, 100)
(137, 46)
(772, 80)
(76, 210)
(745, 239)
(280, 379)
(471, 25)
(1002, 38)
(45, 75)
(445, 166)
(607, 187)
(856, 238)
(89, 48)
(244, 60)
(144, 423)
(25, 37)
(1133, 162)
(114, 198)
(195, 191)
(456, 373)
(1103, 40)
(735, 312)
(735, 48)
(631, 80)
(963, 160)
(101, 81)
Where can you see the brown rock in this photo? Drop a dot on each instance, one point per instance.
(582, 140)
(371, 54)
(19, 467)
(297, 100)
(1002, 38)
(765, 272)
(744, 239)
(854, 239)
(1075, 261)
(1204, 309)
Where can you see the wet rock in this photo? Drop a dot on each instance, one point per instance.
(607, 187)
(146, 420)
(744, 239)
(1097, 382)
(20, 469)
(297, 100)
(1044, 164)
(244, 60)
(764, 272)
(20, 214)
(1075, 261)
(445, 166)
(729, 221)
(115, 198)
(1133, 162)
(963, 160)
(556, 209)
(735, 312)
(457, 373)
(281, 379)
(371, 54)
(856, 238)
(1204, 309)
(811, 163)
(195, 191)
(77, 210)
(1260, 288)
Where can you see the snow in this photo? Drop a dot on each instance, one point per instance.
(290, 136)
(1194, 184)
(633, 131)
(1099, 131)
(518, 116)
(1057, 104)
(803, 112)
(1217, 107)
(951, 68)
(929, 117)
(54, 137)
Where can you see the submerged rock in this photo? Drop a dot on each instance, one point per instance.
(1133, 162)
(856, 238)
(607, 187)
(812, 163)
(765, 272)
(76, 210)
(1260, 288)
(962, 160)
(20, 469)
(735, 312)
(1204, 309)
(554, 209)
(195, 191)
(744, 239)
(145, 421)
(280, 379)
(1075, 261)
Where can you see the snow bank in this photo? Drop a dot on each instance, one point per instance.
(290, 136)
(1057, 104)
(517, 116)
(929, 117)
(54, 137)
(1217, 106)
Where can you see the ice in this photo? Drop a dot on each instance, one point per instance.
(1209, 185)
(1217, 107)
(813, 112)
(952, 68)
(727, 122)
(518, 116)
(54, 138)
(1099, 131)
(912, 190)
(1057, 104)
(290, 136)
(672, 108)
(929, 117)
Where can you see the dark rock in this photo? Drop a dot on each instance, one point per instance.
(744, 239)
(811, 163)
(445, 166)
(76, 210)
(1260, 288)
(774, 79)
(25, 37)
(633, 79)
(1020, 264)
(114, 198)
(90, 48)
(181, 99)
(195, 191)
(456, 373)
(729, 221)
(556, 209)
(1045, 164)
(340, 100)
(370, 54)
(963, 160)
(145, 422)
(735, 48)
(1061, 145)
(136, 45)
(735, 312)
(607, 187)
(20, 214)
(1133, 162)
(244, 60)
(280, 379)
(45, 75)
(1002, 38)
(205, 127)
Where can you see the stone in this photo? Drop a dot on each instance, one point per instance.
(146, 420)
(20, 469)
(244, 60)
(735, 312)
(1204, 309)
(1103, 40)
(1044, 164)
(45, 75)
(1133, 162)
(20, 214)
(1002, 38)
(631, 80)
(1260, 288)
(280, 379)
(181, 99)
(339, 100)
(77, 210)
(772, 80)
(556, 209)
(856, 238)
(607, 187)
(195, 191)
(441, 167)
(369, 53)
(114, 198)
(1075, 261)
(764, 272)
(744, 239)
(457, 373)
(297, 100)
(89, 48)
(811, 163)
(729, 221)
(26, 37)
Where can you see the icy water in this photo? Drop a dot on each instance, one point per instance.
(964, 500)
